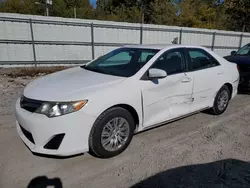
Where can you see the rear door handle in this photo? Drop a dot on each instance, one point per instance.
(186, 80)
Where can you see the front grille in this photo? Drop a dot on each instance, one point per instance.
(30, 105)
(55, 142)
(27, 134)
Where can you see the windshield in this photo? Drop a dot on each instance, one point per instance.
(244, 50)
(123, 62)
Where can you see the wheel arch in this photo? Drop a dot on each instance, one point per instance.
(230, 87)
(131, 110)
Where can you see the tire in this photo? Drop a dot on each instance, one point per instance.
(106, 123)
(217, 109)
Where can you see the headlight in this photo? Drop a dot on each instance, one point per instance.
(51, 109)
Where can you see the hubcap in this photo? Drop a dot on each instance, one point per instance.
(115, 134)
(223, 100)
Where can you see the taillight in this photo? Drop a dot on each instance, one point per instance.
(238, 67)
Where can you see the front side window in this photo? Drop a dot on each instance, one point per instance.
(200, 59)
(171, 61)
(146, 56)
(123, 62)
(244, 50)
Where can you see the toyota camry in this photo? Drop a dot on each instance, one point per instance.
(99, 106)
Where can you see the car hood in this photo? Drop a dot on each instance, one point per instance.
(69, 85)
(238, 59)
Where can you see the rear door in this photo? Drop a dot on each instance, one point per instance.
(207, 77)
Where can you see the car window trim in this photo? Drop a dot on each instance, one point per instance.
(188, 59)
(182, 50)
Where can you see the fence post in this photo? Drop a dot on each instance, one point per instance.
(213, 41)
(141, 34)
(240, 43)
(180, 37)
(33, 42)
(92, 41)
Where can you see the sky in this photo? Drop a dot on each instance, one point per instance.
(93, 2)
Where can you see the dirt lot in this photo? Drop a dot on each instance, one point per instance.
(196, 141)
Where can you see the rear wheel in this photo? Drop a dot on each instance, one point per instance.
(221, 101)
(111, 133)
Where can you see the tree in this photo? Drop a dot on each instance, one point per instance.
(152, 11)
(103, 4)
(84, 9)
(238, 12)
(124, 10)
(162, 12)
(17, 6)
(202, 13)
(216, 14)
(59, 8)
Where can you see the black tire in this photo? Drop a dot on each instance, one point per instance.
(215, 110)
(95, 144)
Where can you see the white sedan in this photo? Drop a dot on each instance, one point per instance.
(99, 106)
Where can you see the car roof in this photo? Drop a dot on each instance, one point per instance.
(161, 46)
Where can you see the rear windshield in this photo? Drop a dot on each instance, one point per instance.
(245, 50)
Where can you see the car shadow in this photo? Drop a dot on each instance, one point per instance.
(44, 182)
(228, 173)
(208, 111)
(52, 156)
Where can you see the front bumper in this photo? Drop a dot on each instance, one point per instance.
(75, 127)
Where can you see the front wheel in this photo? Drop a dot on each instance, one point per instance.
(111, 133)
(221, 101)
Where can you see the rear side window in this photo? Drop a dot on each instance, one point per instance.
(199, 59)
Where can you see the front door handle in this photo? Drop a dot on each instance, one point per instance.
(186, 80)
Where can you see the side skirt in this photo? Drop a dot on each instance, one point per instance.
(172, 120)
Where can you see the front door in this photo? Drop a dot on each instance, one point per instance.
(170, 97)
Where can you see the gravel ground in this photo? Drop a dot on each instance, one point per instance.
(192, 152)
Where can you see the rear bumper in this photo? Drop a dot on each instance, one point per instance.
(244, 81)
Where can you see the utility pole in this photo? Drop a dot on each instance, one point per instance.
(217, 6)
(47, 4)
(244, 27)
(47, 9)
(142, 12)
(74, 12)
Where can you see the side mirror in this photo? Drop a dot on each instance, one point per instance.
(156, 73)
(233, 52)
